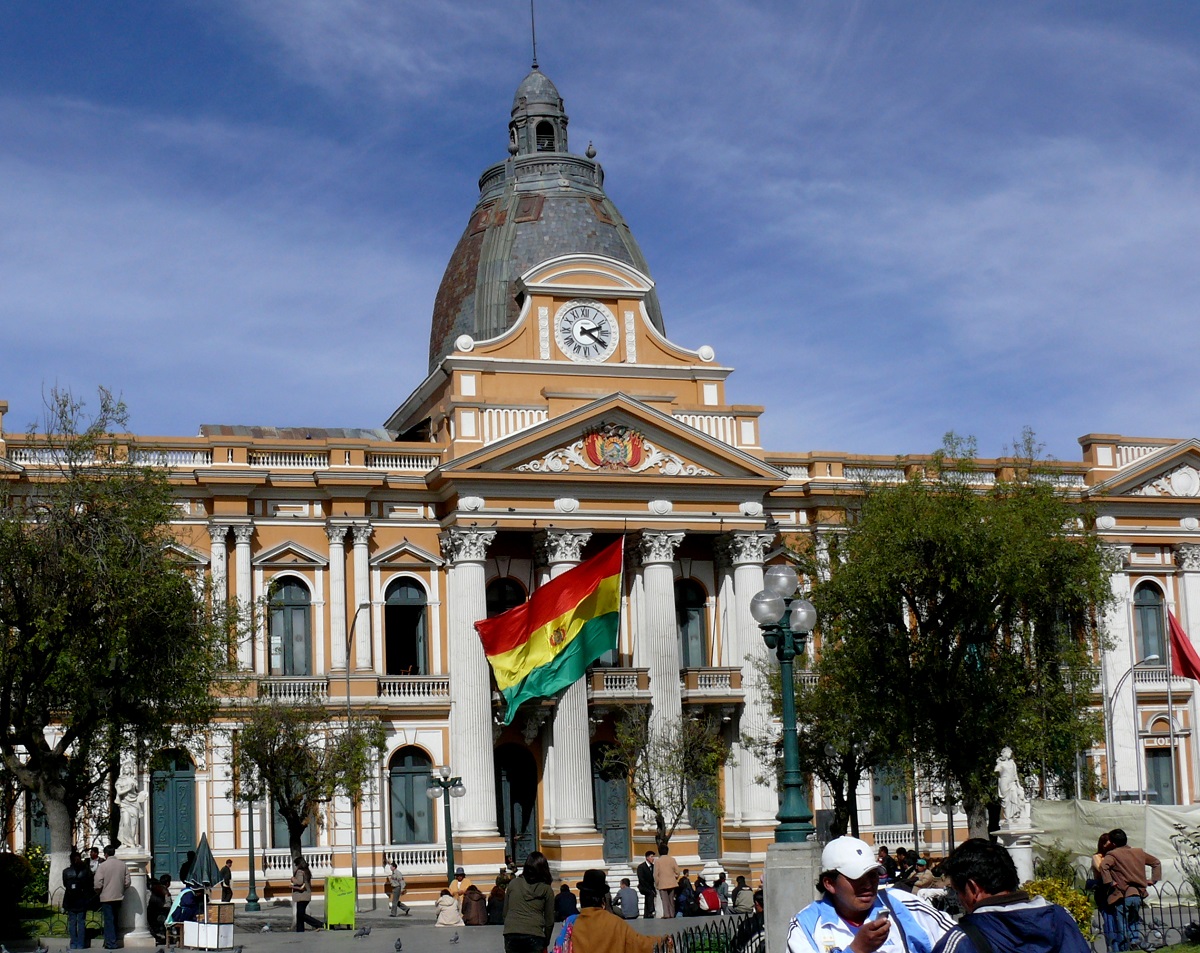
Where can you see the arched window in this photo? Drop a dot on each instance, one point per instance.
(1148, 621)
(408, 774)
(502, 595)
(545, 136)
(291, 617)
(405, 630)
(691, 621)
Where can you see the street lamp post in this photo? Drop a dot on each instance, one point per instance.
(353, 819)
(251, 894)
(1108, 724)
(440, 780)
(786, 623)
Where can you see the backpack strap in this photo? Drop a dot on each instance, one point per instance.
(975, 935)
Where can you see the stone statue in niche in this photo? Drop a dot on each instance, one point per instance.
(1014, 803)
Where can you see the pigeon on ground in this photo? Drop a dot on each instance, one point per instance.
(454, 939)
(266, 928)
(160, 950)
(399, 945)
(362, 931)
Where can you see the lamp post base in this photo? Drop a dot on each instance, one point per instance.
(790, 878)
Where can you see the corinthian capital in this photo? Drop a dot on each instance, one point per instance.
(559, 546)
(361, 533)
(218, 532)
(466, 545)
(739, 548)
(242, 533)
(656, 547)
(1187, 555)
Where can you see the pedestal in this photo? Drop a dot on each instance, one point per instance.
(1020, 847)
(789, 885)
(134, 925)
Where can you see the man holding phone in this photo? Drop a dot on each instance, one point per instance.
(854, 916)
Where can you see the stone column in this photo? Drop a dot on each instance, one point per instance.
(217, 561)
(1123, 730)
(661, 636)
(470, 681)
(336, 534)
(1187, 558)
(244, 588)
(362, 596)
(744, 553)
(573, 811)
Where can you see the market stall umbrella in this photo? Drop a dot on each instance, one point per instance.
(204, 870)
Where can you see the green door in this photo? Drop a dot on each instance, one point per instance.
(172, 812)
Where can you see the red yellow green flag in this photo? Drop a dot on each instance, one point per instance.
(547, 643)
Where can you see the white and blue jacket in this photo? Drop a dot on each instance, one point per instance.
(818, 928)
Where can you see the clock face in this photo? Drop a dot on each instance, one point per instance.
(585, 331)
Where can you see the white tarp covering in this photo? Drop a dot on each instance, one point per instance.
(1077, 825)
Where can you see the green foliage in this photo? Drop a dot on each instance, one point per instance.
(15, 877)
(102, 631)
(301, 757)
(1055, 863)
(1076, 902)
(980, 607)
(39, 874)
(671, 765)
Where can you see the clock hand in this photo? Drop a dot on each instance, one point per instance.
(594, 334)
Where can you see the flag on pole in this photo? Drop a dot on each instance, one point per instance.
(547, 643)
(1184, 659)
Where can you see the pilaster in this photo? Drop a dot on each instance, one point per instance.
(244, 587)
(361, 533)
(336, 533)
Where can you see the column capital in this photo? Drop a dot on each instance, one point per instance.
(1187, 556)
(242, 532)
(361, 533)
(336, 532)
(658, 547)
(466, 545)
(559, 546)
(218, 531)
(1121, 552)
(739, 548)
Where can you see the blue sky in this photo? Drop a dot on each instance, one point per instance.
(893, 219)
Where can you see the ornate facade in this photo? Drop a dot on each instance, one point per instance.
(557, 414)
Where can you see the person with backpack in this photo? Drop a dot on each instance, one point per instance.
(78, 899)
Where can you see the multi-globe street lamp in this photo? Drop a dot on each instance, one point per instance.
(786, 622)
(440, 780)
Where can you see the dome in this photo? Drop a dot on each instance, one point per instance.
(536, 88)
(541, 203)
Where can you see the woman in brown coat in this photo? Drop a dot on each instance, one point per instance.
(302, 894)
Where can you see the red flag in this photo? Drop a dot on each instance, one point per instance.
(1184, 660)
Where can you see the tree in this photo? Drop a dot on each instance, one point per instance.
(301, 757)
(671, 765)
(982, 608)
(107, 646)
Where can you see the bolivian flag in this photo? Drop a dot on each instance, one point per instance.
(547, 643)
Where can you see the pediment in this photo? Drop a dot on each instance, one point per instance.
(405, 553)
(612, 437)
(1172, 472)
(187, 554)
(290, 554)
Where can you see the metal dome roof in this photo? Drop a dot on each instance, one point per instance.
(542, 202)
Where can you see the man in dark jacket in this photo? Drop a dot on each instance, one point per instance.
(1123, 870)
(645, 875)
(77, 899)
(1000, 918)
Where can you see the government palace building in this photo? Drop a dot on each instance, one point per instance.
(561, 411)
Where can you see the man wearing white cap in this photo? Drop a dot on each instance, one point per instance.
(854, 916)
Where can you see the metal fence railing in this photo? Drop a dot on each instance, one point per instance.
(736, 934)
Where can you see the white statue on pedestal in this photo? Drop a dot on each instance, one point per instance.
(1014, 803)
(130, 801)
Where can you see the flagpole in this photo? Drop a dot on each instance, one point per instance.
(1171, 704)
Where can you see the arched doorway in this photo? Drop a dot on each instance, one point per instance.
(408, 776)
(172, 811)
(516, 800)
(610, 791)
